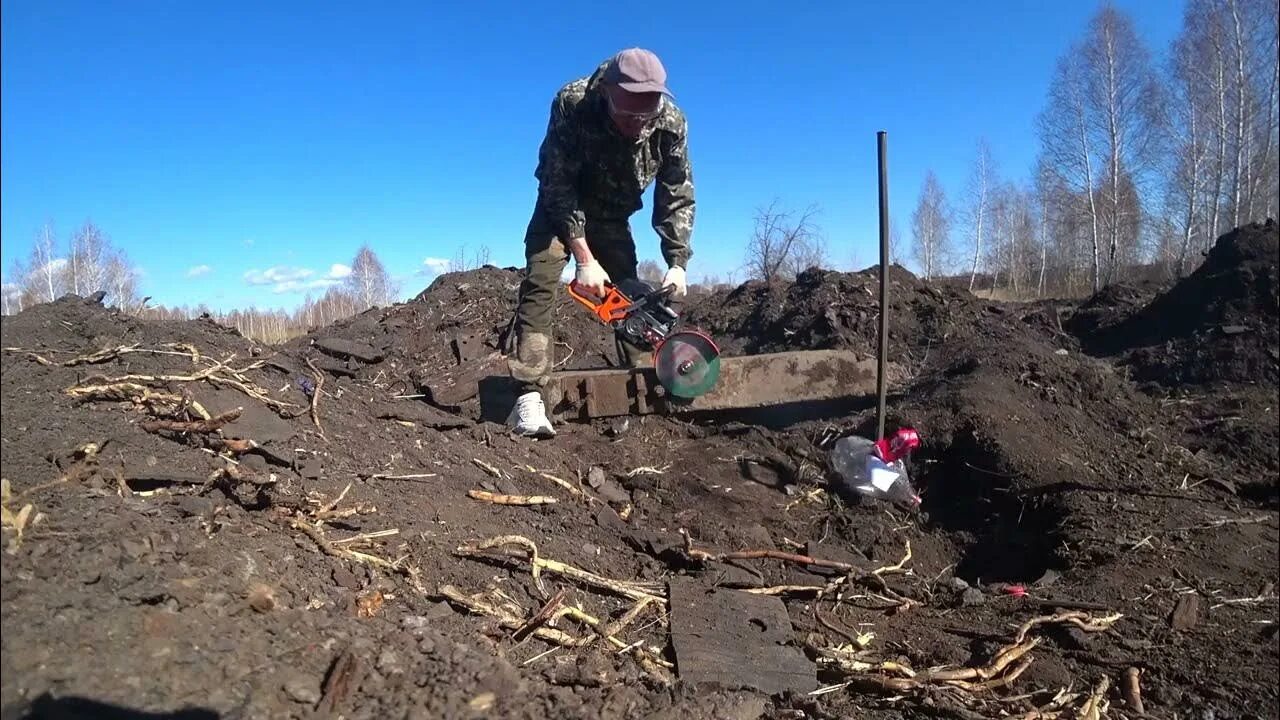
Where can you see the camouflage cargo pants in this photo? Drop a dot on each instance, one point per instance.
(545, 259)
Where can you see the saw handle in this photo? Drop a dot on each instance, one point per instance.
(612, 307)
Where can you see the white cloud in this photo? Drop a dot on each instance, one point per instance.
(292, 286)
(433, 266)
(277, 275)
(286, 279)
(199, 270)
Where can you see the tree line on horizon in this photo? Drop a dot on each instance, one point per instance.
(1140, 166)
(91, 263)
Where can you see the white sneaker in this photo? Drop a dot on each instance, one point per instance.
(529, 417)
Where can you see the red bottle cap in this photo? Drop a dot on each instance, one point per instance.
(899, 445)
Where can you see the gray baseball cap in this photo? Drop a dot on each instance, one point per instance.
(639, 71)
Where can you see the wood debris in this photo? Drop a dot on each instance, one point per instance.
(500, 499)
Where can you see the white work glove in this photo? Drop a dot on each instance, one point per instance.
(591, 277)
(675, 276)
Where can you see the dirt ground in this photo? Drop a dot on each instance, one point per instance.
(218, 529)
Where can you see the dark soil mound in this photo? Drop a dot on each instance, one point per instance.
(828, 309)
(302, 553)
(1221, 323)
(456, 330)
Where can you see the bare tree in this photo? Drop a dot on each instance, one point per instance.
(1067, 148)
(13, 287)
(650, 271)
(1186, 187)
(1124, 101)
(1266, 181)
(812, 253)
(45, 270)
(1100, 133)
(368, 282)
(778, 243)
(461, 263)
(120, 281)
(981, 180)
(87, 263)
(1224, 77)
(931, 228)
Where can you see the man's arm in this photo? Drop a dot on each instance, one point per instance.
(673, 204)
(558, 166)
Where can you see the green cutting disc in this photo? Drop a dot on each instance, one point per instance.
(687, 364)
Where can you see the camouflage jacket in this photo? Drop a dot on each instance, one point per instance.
(586, 168)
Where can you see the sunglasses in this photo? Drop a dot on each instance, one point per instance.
(643, 117)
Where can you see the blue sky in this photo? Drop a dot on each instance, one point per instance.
(230, 148)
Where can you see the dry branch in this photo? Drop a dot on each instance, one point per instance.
(570, 487)
(657, 667)
(539, 618)
(1096, 706)
(210, 425)
(1009, 663)
(1132, 691)
(412, 476)
(110, 354)
(873, 578)
(499, 499)
(102, 388)
(315, 396)
(331, 505)
(654, 665)
(1081, 620)
(489, 468)
(365, 537)
(632, 590)
(123, 391)
(411, 574)
(480, 607)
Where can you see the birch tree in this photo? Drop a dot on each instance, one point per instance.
(1068, 147)
(1186, 189)
(931, 228)
(981, 180)
(120, 281)
(369, 284)
(1224, 76)
(87, 261)
(1124, 99)
(1100, 133)
(46, 273)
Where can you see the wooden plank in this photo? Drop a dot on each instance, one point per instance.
(735, 640)
(772, 379)
(750, 381)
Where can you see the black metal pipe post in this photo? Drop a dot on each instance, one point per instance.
(883, 350)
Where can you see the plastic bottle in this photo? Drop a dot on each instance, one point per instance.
(876, 469)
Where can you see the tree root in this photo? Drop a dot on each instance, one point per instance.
(209, 425)
(657, 668)
(499, 499)
(1009, 663)
(312, 525)
(873, 578)
(315, 397)
(627, 589)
